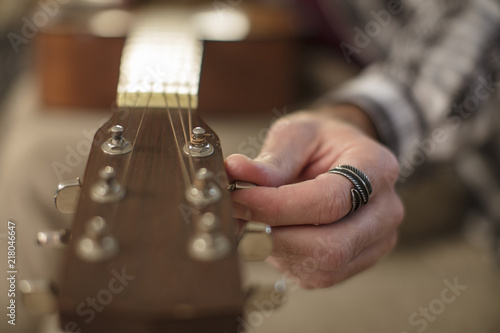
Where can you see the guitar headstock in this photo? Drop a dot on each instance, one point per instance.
(153, 237)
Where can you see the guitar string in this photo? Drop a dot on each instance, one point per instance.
(125, 179)
(144, 111)
(190, 156)
(185, 173)
(190, 121)
(128, 108)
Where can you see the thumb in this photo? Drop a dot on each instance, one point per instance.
(286, 151)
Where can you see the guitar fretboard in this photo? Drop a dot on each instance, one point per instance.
(161, 61)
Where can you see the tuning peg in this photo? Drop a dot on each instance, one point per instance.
(107, 189)
(198, 146)
(116, 144)
(208, 243)
(39, 296)
(255, 242)
(66, 195)
(270, 297)
(97, 244)
(59, 238)
(203, 191)
(240, 185)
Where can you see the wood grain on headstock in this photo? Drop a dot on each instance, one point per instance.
(170, 289)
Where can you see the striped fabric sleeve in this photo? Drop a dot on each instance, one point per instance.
(431, 65)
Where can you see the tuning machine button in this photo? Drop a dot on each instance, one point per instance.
(116, 144)
(198, 146)
(203, 191)
(257, 295)
(108, 189)
(59, 238)
(38, 296)
(255, 242)
(97, 244)
(66, 195)
(240, 185)
(208, 243)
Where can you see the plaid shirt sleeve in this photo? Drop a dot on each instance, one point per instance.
(439, 69)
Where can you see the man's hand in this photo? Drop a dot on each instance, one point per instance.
(314, 240)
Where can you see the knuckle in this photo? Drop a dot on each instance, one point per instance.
(358, 240)
(285, 124)
(398, 211)
(323, 282)
(272, 159)
(389, 244)
(338, 255)
(326, 279)
(392, 168)
(393, 241)
(281, 124)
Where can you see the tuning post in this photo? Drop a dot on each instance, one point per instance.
(198, 146)
(107, 189)
(59, 238)
(116, 144)
(39, 296)
(240, 185)
(208, 244)
(203, 191)
(66, 196)
(97, 244)
(255, 242)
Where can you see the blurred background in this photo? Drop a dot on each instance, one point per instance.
(59, 67)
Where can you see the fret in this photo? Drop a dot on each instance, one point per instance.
(161, 61)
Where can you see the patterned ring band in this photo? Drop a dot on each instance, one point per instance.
(362, 186)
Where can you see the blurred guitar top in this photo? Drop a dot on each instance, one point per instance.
(249, 62)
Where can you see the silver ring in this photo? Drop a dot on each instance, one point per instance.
(360, 194)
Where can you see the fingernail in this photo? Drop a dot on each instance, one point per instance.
(233, 161)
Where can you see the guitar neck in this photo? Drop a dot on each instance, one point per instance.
(161, 61)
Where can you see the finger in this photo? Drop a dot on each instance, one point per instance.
(335, 244)
(323, 199)
(317, 201)
(310, 276)
(285, 153)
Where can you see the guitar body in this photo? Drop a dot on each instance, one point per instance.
(262, 64)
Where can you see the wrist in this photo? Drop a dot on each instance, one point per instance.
(352, 115)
